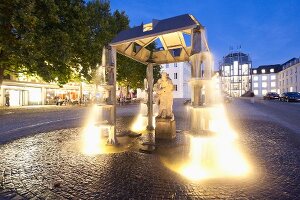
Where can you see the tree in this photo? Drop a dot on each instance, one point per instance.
(131, 73)
(41, 37)
(61, 40)
(16, 26)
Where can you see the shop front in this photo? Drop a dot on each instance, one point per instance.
(21, 96)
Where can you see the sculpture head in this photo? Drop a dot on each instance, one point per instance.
(164, 76)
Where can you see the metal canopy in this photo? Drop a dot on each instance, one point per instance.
(169, 33)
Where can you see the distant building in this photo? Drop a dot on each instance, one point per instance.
(180, 73)
(235, 74)
(264, 79)
(26, 90)
(289, 77)
(276, 78)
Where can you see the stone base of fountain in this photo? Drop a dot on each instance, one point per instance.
(165, 128)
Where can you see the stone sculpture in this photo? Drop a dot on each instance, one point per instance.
(164, 89)
(165, 126)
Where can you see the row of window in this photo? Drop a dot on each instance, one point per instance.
(286, 73)
(287, 81)
(264, 78)
(264, 84)
(263, 71)
(168, 65)
(263, 92)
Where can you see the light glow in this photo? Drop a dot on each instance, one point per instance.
(141, 121)
(215, 156)
(91, 135)
(92, 140)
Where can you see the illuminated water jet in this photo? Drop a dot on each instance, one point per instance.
(101, 117)
(140, 122)
(212, 148)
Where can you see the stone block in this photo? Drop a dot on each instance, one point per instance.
(165, 128)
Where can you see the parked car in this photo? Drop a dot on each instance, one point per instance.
(271, 95)
(290, 96)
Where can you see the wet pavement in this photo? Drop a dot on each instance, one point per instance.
(51, 165)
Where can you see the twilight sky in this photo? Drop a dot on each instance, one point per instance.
(268, 30)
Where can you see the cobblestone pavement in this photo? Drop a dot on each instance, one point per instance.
(51, 166)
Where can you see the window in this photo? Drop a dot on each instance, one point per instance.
(263, 71)
(255, 85)
(235, 68)
(264, 78)
(175, 64)
(175, 87)
(273, 77)
(167, 65)
(271, 70)
(273, 84)
(255, 78)
(175, 75)
(254, 71)
(255, 92)
(264, 84)
(226, 70)
(291, 89)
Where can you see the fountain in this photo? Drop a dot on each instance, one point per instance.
(101, 120)
(212, 146)
(213, 151)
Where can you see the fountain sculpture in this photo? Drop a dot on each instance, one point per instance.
(212, 149)
(165, 127)
(106, 96)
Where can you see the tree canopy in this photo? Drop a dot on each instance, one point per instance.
(62, 40)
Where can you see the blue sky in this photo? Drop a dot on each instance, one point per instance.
(269, 30)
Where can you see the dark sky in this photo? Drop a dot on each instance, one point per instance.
(268, 30)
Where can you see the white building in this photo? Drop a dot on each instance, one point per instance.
(277, 78)
(180, 73)
(289, 77)
(264, 79)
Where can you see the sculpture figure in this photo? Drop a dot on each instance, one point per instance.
(164, 89)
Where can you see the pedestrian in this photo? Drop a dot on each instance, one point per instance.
(252, 97)
(7, 100)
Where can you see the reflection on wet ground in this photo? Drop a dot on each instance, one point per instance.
(54, 165)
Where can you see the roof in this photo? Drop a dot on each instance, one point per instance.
(171, 34)
(277, 68)
(289, 61)
(180, 22)
(235, 54)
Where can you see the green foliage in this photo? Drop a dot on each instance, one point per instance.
(62, 40)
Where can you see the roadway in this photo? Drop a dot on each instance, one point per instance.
(286, 114)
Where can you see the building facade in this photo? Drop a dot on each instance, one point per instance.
(264, 79)
(25, 91)
(277, 78)
(235, 77)
(180, 73)
(289, 77)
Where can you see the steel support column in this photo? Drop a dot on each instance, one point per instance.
(150, 96)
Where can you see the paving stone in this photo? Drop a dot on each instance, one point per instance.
(31, 166)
